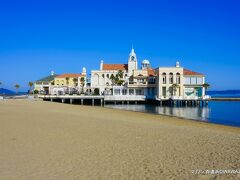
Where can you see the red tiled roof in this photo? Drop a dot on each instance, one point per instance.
(189, 72)
(70, 75)
(115, 67)
(151, 72)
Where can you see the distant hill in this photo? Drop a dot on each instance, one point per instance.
(6, 91)
(9, 92)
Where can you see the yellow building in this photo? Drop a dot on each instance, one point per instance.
(70, 80)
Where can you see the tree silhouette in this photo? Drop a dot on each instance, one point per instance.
(17, 86)
(206, 86)
(30, 84)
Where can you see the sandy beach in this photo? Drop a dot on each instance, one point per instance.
(44, 140)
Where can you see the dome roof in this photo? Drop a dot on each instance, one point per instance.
(84, 70)
(145, 61)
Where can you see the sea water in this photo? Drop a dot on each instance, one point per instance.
(219, 112)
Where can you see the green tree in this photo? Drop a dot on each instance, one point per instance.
(120, 74)
(206, 86)
(17, 86)
(75, 80)
(67, 80)
(82, 80)
(117, 79)
(30, 84)
(35, 91)
(174, 87)
(113, 79)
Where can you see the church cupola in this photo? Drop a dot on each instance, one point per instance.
(132, 62)
(145, 64)
(177, 64)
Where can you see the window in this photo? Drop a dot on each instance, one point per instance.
(187, 80)
(193, 80)
(140, 81)
(199, 80)
(103, 75)
(139, 92)
(117, 91)
(107, 75)
(151, 80)
(131, 91)
(170, 78)
(124, 92)
(164, 78)
(178, 78)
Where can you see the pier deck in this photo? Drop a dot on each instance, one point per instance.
(82, 99)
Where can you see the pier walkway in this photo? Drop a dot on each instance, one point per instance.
(109, 99)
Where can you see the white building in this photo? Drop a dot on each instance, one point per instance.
(161, 83)
(136, 81)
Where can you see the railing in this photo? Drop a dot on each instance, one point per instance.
(125, 98)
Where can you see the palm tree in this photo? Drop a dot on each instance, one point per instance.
(75, 80)
(206, 86)
(119, 78)
(120, 74)
(175, 86)
(17, 86)
(30, 84)
(82, 80)
(113, 79)
(67, 82)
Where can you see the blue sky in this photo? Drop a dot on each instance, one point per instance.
(39, 36)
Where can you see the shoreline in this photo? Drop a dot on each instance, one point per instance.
(178, 117)
(41, 140)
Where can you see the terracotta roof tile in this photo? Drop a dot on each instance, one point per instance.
(70, 75)
(151, 72)
(115, 67)
(189, 72)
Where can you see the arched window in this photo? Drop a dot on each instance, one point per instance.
(170, 78)
(107, 75)
(164, 78)
(178, 81)
(103, 75)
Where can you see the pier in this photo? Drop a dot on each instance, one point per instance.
(102, 100)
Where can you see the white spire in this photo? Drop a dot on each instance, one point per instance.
(132, 52)
(101, 65)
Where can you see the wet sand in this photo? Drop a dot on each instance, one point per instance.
(44, 140)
